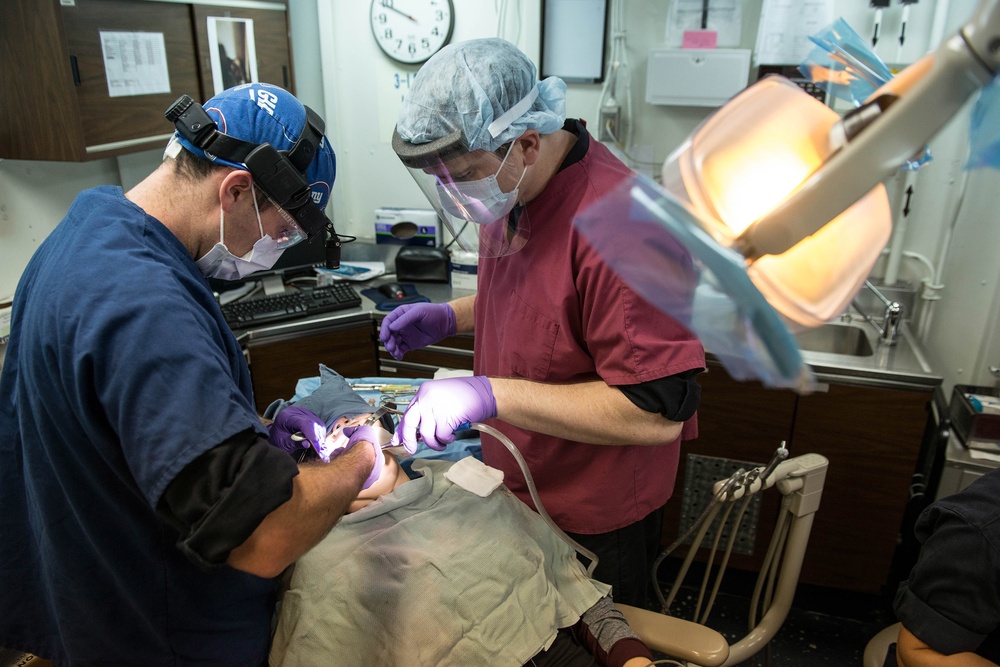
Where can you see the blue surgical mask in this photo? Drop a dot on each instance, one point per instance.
(481, 201)
(220, 263)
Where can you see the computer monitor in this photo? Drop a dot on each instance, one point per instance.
(297, 260)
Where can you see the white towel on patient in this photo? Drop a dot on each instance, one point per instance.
(432, 575)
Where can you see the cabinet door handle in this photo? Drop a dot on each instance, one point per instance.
(75, 66)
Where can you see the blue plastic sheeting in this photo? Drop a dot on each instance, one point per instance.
(984, 128)
(844, 65)
(657, 246)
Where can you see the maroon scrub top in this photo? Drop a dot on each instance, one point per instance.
(554, 312)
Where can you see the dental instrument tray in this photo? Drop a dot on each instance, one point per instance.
(290, 305)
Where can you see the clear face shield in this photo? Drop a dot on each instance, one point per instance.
(478, 187)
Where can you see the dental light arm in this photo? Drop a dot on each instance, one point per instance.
(914, 106)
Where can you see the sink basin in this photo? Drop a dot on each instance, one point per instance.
(845, 339)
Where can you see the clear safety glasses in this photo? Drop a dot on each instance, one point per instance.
(289, 233)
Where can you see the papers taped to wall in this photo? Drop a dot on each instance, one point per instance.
(5, 311)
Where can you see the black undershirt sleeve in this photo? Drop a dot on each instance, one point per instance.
(220, 498)
(676, 397)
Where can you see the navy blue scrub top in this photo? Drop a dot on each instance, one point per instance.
(120, 370)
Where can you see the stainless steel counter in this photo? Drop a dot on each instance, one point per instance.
(902, 366)
(962, 467)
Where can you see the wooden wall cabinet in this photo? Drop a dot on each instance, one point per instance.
(871, 437)
(271, 37)
(57, 105)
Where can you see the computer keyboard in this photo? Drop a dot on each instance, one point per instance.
(290, 305)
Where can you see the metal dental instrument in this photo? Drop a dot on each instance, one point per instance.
(383, 387)
(386, 408)
(763, 473)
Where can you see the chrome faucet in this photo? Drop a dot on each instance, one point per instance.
(892, 317)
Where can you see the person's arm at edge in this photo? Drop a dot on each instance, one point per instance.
(911, 652)
(321, 495)
(638, 662)
(465, 316)
(601, 414)
(607, 636)
(591, 412)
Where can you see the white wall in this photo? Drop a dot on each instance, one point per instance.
(364, 88)
(964, 333)
(34, 196)
(305, 54)
(341, 73)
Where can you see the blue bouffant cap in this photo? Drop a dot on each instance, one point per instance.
(263, 113)
(486, 88)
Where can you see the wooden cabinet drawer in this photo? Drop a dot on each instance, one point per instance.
(276, 366)
(454, 352)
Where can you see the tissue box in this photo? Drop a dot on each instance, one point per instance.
(966, 422)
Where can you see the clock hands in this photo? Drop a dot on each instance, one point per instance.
(413, 32)
(388, 5)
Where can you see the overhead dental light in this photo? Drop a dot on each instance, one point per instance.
(776, 202)
(799, 189)
(743, 162)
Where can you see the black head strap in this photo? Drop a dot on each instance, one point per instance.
(310, 138)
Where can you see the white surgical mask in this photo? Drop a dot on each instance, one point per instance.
(481, 201)
(220, 263)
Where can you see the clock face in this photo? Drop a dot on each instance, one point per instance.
(411, 31)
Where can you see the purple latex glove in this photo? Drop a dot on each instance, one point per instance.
(440, 407)
(293, 420)
(415, 325)
(356, 434)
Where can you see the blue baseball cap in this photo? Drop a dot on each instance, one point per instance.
(261, 113)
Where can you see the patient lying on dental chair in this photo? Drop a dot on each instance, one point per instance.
(426, 571)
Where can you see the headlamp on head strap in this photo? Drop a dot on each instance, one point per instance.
(280, 174)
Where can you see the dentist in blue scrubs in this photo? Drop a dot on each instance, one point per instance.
(144, 513)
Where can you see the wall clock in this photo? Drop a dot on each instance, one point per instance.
(411, 31)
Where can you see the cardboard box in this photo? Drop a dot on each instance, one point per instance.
(407, 226)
